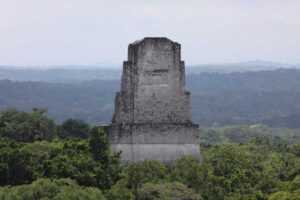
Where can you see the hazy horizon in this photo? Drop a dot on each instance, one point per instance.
(97, 32)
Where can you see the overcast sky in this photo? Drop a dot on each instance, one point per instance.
(57, 32)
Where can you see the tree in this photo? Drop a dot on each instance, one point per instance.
(167, 191)
(144, 172)
(71, 159)
(26, 127)
(99, 145)
(119, 191)
(284, 196)
(188, 171)
(232, 172)
(15, 165)
(74, 128)
(295, 184)
(62, 189)
(108, 171)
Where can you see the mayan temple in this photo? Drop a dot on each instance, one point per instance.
(152, 119)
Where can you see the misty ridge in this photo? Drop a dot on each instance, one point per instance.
(226, 94)
(80, 73)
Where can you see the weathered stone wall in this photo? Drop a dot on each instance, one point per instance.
(157, 133)
(158, 141)
(153, 84)
(166, 153)
(152, 110)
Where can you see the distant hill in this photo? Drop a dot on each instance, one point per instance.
(91, 101)
(256, 65)
(63, 74)
(79, 73)
(270, 97)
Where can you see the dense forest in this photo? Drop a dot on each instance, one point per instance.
(40, 159)
(52, 148)
(218, 99)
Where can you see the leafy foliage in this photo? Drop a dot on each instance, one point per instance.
(167, 191)
(26, 127)
(108, 172)
(144, 172)
(15, 166)
(62, 189)
(74, 128)
(238, 163)
(246, 133)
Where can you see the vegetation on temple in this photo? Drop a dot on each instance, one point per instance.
(40, 159)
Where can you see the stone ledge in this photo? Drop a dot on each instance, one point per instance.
(158, 133)
(166, 153)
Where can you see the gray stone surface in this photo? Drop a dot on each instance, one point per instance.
(166, 153)
(152, 118)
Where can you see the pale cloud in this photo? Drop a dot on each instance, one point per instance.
(98, 31)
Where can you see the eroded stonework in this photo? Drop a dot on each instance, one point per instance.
(152, 119)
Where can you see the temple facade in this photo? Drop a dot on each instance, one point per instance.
(152, 119)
